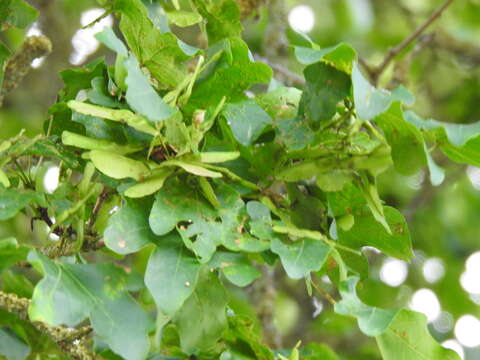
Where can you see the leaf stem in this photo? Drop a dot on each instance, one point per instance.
(101, 17)
(315, 235)
(325, 294)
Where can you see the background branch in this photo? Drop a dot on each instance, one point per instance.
(282, 72)
(376, 72)
(19, 64)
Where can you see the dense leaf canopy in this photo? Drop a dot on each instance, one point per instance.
(212, 176)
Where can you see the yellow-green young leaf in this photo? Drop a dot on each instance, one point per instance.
(369, 189)
(4, 145)
(118, 166)
(124, 116)
(208, 192)
(4, 179)
(192, 168)
(345, 222)
(120, 73)
(83, 142)
(218, 156)
(341, 56)
(150, 185)
(183, 18)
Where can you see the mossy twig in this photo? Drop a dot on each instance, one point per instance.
(67, 339)
(19, 64)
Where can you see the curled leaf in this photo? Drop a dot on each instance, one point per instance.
(124, 116)
(218, 156)
(196, 169)
(84, 142)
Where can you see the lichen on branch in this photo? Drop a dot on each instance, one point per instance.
(69, 340)
(19, 64)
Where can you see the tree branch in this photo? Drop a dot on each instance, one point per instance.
(324, 293)
(264, 294)
(19, 64)
(96, 209)
(275, 42)
(69, 341)
(375, 74)
(289, 77)
(247, 7)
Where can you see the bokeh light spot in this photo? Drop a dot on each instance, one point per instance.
(454, 345)
(467, 330)
(84, 41)
(301, 18)
(433, 270)
(393, 272)
(50, 180)
(425, 301)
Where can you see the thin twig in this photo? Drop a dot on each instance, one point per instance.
(322, 292)
(264, 294)
(101, 17)
(96, 209)
(288, 76)
(413, 36)
(366, 67)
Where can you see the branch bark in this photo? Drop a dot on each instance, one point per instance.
(263, 296)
